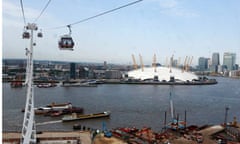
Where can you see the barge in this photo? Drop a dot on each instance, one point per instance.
(76, 116)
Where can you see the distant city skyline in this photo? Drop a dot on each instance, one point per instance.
(175, 61)
(162, 27)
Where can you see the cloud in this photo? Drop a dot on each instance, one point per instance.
(168, 3)
(174, 8)
(14, 11)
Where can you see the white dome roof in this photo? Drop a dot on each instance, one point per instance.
(163, 73)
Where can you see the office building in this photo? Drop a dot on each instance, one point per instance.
(215, 59)
(203, 63)
(215, 62)
(229, 60)
(72, 71)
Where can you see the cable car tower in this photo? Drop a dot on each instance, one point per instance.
(29, 128)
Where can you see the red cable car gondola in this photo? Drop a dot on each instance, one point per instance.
(66, 42)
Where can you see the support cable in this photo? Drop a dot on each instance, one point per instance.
(24, 19)
(42, 11)
(100, 14)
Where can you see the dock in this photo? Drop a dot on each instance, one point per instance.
(70, 137)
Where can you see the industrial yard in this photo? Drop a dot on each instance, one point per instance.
(216, 134)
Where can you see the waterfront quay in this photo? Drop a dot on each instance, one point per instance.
(71, 137)
(215, 134)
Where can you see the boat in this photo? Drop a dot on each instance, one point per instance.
(16, 84)
(41, 110)
(53, 104)
(76, 116)
(71, 110)
(52, 108)
(79, 84)
(46, 85)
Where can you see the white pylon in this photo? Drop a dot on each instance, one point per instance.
(29, 128)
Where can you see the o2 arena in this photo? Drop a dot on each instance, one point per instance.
(162, 74)
(165, 76)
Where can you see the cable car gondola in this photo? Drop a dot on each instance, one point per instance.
(26, 35)
(66, 43)
(40, 35)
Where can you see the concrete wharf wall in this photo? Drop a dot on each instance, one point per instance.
(73, 137)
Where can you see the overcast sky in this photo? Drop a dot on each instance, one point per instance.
(162, 27)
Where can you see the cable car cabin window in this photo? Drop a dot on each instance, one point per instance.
(26, 35)
(66, 43)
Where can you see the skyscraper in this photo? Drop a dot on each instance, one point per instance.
(229, 60)
(215, 59)
(202, 63)
(72, 70)
(215, 62)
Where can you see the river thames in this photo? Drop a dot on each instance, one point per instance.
(130, 105)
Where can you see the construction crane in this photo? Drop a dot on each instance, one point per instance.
(134, 62)
(141, 61)
(154, 63)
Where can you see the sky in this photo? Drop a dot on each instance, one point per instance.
(181, 28)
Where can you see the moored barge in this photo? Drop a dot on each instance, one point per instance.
(76, 116)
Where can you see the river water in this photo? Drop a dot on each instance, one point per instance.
(130, 105)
